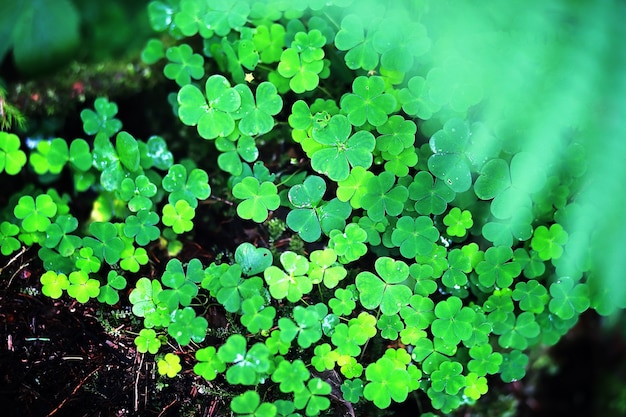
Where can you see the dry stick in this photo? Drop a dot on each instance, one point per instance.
(137, 384)
(167, 407)
(80, 384)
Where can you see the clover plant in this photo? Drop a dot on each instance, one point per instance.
(402, 240)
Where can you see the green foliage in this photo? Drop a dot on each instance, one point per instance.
(382, 209)
(12, 159)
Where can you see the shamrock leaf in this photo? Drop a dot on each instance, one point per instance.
(386, 291)
(549, 242)
(431, 197)
(259, 199)
(349, 244)
(178, 216)
(568, 298)
(495, 270)
(12, 158)
(189, 186)
(383, 198)
(248, 365)
(252, 260)
(81, 287)
(184, 64)
(211, 112)
(249, 404)
(256, 315)
(368, 102)
(102, 120)
(256, 118)
(339, 150)
(142, 227)
(484, 361)
(53, 284)
(186, 326)
(147, 341)
(458, 222)
(8, 242)
(414, 236)
(303, 76)
(34, 213)
(511, 187)
(169, 365)
(226, 15)
(291, 281)
(531, 295)
(109, 292)
(454, 322)
(415, 99)
(209, 365)
(58, 235)
(324, 268)
(355, 38)
(396, 134)
(269, 41)
(388, 380)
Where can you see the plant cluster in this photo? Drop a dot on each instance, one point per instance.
(433, 257)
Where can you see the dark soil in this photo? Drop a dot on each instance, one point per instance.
(62, 358)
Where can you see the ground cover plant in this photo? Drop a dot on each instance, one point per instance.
(419, 236)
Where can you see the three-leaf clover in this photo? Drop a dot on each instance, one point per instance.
(54, 284)
(368, 102)
(190, 186)
(549, 242)
(35, 213)
(292, 281)
(383, 198)
(386, 290)
(339, 150)
(454, 322)
(259, 198)
(169, 365)
(12, 158)
(178, 216)
(256, 315)
(414, 236)
(458, 221)
(356, 38)
(568, 298)
(211, 112)
(81, 287)
(184, 64)
(209, 365)
(248, 365)
(142, 227)
(256, 115)
(147, 341)
(186, 326)
(109, 292)
(249, 404)
(102, 120)
(495, 270)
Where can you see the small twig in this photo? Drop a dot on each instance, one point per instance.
(80, 384)
(167, 407)
(23, 249)
(137, 384)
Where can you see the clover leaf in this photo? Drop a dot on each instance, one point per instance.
(153, 51)
(495, 270)
(132, 258)
(211, 112)
(180, 288)
(249, 404)
(368, 102)
(53, 284)
(388, 381)
(81, 287)
(450, 160)
(387, 289)
(414, 236)
(137, 192)
(87, 261)
(12, 158)
(169, 365)
(454, 322)
(226, 15)
(178, 216)
(256, 316)
(517, 336)
(400, 42)
(144, 296)
(568, 298)
(353, 187)
(324, 268)
(513, 366)
(147, 341)
(269, 41)
(448, 378)
(186, 326)
(313, 398)
(259, 198)
(415, 99)
(459, 265)
(303, 76)
(58, 235)
(343, 304)
(209, 365)
(396, 134)
(531, 295)
(458, 222)
(291, 375)
(105, 242)
(431, 197)
(549, 242)
(510, 187)
(248, 365)
(383, 198)
(256, 115)
(190, 186)
(252, 260)
(484, 361)
(142, 227)
(102, 120)
(35, 213)
(109, 292)
(291, 281)
(184, 64)
(506, 232)
(356, 38)
(306, 325)
(234, 288)
(8, 243)
(339, 150)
